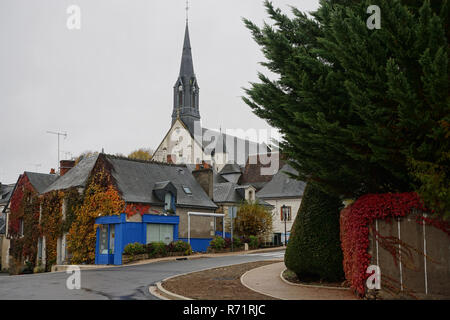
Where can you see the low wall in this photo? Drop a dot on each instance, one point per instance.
(414, 259)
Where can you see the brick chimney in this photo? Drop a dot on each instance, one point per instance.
(204, 177)
(65, 165)
(52, 171)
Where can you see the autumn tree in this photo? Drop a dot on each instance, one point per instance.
(141, 154)
(253, 219)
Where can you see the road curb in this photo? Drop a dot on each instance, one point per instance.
(179, 297)
(308, 285)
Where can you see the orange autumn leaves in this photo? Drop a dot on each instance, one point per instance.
(101, 199)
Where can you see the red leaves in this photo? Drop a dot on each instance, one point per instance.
(355, 222)
(132, 209)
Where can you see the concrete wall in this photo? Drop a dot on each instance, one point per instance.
(425, 274)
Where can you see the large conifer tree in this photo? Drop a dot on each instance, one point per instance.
(358, 106)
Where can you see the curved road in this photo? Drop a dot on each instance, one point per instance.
(125, 282)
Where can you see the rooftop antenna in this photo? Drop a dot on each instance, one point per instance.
(67, 154)
(64, 134)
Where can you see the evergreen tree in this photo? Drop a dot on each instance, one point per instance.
(314, 251)
(357, 106)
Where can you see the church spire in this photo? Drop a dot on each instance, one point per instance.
(187, 65)
(186, 90)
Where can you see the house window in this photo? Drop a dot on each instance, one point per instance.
(112, 235)
(250, 195)
(168, 202)
(104, 239)
(21, 227)
(159, 233)
(288, 213)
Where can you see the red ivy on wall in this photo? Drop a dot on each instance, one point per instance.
(355, 222)
(134, 208)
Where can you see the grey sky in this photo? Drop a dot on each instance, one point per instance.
(109, 85)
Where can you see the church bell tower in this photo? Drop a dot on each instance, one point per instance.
(186, 90)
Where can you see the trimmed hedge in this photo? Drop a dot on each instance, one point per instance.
(314, 248)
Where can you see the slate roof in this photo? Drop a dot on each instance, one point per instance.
(231, 168)
(136, 181)
(75, 177)
(229, 144)
(228, 193)
(5, 192)
(40, 181)
(252, 172)
(282, 185)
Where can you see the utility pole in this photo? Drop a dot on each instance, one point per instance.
(64, 134)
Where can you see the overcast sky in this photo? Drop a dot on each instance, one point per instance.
(109, 84)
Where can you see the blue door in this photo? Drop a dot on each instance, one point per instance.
(107, 235)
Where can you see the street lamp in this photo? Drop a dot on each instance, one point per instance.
(284, 211)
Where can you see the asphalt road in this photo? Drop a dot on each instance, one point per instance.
(117, 283)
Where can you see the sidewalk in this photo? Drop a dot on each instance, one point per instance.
(266, 280)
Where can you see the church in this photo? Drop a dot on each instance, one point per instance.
(187, 142)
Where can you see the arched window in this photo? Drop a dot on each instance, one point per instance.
(194, 91)
(180, 95)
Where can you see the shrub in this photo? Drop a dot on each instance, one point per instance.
(237, 242)
(313, 250)
(218, 243)
(159, 249)
(181, 246)
(253, 242)
(134, 249)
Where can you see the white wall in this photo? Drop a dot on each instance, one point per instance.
(277, 223)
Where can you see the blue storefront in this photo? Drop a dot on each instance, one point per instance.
(114, 233)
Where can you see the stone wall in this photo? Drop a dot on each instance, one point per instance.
(414, 259)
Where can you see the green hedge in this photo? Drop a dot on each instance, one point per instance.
(314, 249)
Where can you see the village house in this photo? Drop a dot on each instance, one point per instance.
(27, 188)
(285, 194)
(5, 193)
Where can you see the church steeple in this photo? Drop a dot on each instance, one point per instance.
(186, 90)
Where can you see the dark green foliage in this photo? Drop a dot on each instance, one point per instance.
(218, 243)
(356, 106)
(314, 251)
(134, 249)
(253, 242)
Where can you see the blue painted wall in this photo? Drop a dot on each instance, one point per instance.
(198, 244)
(129, 232)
